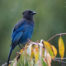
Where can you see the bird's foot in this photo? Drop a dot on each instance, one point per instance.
(20, 46)
(29, 41)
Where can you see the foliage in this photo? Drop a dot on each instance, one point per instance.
(38, 53)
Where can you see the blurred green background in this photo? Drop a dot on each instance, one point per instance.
(49, 20)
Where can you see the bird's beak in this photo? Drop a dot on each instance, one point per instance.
(34, 12)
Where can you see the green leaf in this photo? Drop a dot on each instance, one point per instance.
(43, 63)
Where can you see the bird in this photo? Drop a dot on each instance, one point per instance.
(22, 31)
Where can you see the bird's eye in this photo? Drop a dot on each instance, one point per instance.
(30, 12)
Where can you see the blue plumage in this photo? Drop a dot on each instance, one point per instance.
(22, 31)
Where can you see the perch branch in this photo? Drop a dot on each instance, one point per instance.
(60, 58)
(60, 61)
(56, 36)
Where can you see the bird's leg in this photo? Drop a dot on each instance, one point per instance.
(29, 41)
(20, 46)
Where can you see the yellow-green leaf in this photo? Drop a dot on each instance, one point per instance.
(36, 53)
(47, 45)
(54, 51)
(61, 47)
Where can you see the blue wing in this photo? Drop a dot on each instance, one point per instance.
(20, 29)
(17, 37)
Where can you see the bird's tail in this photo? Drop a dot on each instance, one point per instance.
(11, 49)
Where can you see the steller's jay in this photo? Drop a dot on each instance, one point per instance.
(22, 31)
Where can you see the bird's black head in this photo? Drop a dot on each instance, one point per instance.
(28, 14)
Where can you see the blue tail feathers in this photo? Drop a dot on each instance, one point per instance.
(9, 55)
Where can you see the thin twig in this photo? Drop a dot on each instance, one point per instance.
(60, 58)
(51, 38)
(59, 61)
